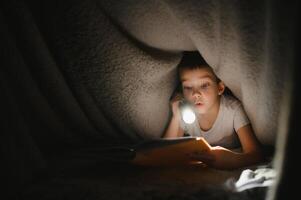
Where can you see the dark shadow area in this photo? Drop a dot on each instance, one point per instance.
(63, 137)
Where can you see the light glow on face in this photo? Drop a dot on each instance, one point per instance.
(188, 115)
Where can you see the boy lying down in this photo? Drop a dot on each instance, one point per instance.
(219, 118)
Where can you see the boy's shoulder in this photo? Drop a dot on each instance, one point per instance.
(230, 102)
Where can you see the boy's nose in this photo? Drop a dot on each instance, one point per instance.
(195, 92)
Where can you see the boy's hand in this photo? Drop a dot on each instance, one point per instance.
(216, 157)
(174, 103)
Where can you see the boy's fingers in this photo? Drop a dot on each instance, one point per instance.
(176, 100)
(178, 96)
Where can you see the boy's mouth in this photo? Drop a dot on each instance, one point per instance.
(199, 104)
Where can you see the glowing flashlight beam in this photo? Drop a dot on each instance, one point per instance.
(188, 116)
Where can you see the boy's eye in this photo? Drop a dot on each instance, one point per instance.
(187, 88)
(205, 85)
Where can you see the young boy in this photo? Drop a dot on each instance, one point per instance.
(220, 119)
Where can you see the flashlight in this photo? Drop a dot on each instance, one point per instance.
(187, 112)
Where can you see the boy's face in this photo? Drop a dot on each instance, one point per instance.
(201, 88)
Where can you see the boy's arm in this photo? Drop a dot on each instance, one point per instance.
(248, 140)
(222, 158)
(174, 130)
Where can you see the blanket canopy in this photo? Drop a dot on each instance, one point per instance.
(76, 72)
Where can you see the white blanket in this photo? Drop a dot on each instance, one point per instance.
(261, 177)
(130, 49)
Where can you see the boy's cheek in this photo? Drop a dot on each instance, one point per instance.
(188, 98)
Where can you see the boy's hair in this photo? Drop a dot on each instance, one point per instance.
(194, 60)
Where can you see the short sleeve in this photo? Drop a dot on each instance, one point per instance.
(240, 118)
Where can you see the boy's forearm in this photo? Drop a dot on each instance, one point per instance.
(251, 158)
(173, 128)
(233, 159)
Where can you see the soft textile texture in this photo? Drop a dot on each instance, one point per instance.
(248, 179)
(240, 40)
(99, 70)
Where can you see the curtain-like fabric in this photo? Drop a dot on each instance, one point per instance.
(101, 72)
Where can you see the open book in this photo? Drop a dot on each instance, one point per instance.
(162, 152)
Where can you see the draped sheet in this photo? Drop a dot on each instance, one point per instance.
(99, 70)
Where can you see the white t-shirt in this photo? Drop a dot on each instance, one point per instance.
(230, 118)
